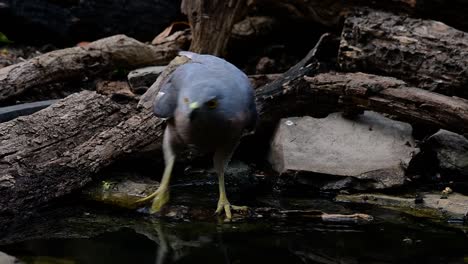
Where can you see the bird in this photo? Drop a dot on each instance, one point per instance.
(207, 103)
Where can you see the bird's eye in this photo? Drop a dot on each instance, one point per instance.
(186, 100)
(212, 103)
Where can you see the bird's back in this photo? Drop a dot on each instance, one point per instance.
(203, 71)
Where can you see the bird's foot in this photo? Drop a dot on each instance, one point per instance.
(160, 198)
(224, 205)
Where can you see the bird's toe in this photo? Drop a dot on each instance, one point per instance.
(227, 207)
(159, 201)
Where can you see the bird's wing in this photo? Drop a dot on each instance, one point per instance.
(165, 102)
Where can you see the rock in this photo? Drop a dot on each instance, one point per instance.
(12, 112)
(256, 26)
(265, 65)
(451, 150)
(455, 206)
(122, 191)
(7, 259)
(141, 79)
(371, 151)
(116, 89)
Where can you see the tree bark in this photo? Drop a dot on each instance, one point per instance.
(427, 54)
(394, 97)
(212, 22)
(59, 149)
(80, 62)
(331, 12)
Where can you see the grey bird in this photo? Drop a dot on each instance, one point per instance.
(208, 103)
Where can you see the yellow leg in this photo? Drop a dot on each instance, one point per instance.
(223, 203)
(161, 195)
(220, 161)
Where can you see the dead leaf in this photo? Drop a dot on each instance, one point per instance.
(174, 27)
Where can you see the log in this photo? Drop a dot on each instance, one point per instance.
(211, 23)
(75, 64)
(59, 149)
(425, 53)
(390, 96)
(330, 13)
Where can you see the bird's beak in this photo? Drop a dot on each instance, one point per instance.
(194, 105)
(193, 109)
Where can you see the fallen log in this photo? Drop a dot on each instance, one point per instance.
(78, 63)
(331, 12)
(425, 53)
(59, 149)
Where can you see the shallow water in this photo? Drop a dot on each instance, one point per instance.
(90, 234)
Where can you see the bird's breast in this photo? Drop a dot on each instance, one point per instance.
(207, 134)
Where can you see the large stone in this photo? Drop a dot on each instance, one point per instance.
(141, 79)
(7, 259)
(371, 151)
(451, 151)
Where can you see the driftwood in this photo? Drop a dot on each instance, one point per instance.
(394, 97)
(59, 149)
(80, 62)
(211, 22)
(425, 53)
(331, 12)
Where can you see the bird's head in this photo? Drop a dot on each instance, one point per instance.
(204, 103)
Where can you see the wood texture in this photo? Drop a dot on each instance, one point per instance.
(211, 22)
(81, 62)
(330, 13)
(59, 149)
(425, 53)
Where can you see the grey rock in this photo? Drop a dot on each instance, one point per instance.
(7, 259)
(141, 79)
(451, 150)
(11, 112)
(371, 150)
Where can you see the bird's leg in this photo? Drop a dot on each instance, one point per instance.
(161, 195)
(223, 203)
(220, 161)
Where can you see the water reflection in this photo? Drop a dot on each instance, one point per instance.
(94, 236)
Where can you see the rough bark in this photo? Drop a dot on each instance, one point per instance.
(427, 54)
(59, 149)
(331, 12)
(212, 22)
(81, 62)
(391, 96)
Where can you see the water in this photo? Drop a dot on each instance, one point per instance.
(86, 233)
(93, 236)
